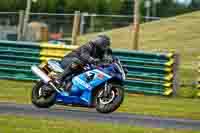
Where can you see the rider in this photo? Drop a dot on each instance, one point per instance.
(95, 51)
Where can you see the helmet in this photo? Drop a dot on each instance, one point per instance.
(102, 42)
(105, 39)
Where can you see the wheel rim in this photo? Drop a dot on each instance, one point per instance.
(40, 92)
(41, 95)
(106, 100)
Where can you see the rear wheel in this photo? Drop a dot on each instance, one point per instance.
(42, 95)
(111, 102)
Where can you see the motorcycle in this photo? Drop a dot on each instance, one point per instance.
(97, 86)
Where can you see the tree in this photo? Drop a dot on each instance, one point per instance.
(68, 6)
(195, 5)
(7, 5)
(45, 6)
(40, 6)
(91, 6)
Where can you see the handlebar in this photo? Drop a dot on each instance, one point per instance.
(106, 62)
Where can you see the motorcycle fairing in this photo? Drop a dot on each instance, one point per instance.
(83, 85)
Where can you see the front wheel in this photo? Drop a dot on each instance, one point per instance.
(41, 97)
(111, 102)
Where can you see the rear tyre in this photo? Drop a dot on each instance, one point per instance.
(41, 100)
(112, 102)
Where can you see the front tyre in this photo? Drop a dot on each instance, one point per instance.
(111, 102)
(42, 98)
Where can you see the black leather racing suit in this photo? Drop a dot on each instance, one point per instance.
(91, 53)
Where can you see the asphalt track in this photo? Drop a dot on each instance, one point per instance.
(117, 118)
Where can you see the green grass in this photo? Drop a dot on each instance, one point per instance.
(19, 92)
(17, 124)
(178, 34)
(163, 107)
(15, 91)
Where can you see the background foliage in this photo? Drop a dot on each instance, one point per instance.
(164, 9)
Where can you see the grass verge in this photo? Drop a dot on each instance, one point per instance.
(22, 124)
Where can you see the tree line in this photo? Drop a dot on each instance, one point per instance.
(64, 6)
(164, 8)
(167, 8)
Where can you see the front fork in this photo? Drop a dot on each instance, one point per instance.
(107, 89)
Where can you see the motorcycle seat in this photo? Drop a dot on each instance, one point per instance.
(55, 65)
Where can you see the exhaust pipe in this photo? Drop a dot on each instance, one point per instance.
(40, 74)
(44, 77)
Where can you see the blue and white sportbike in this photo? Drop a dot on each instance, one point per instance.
(98, 86)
